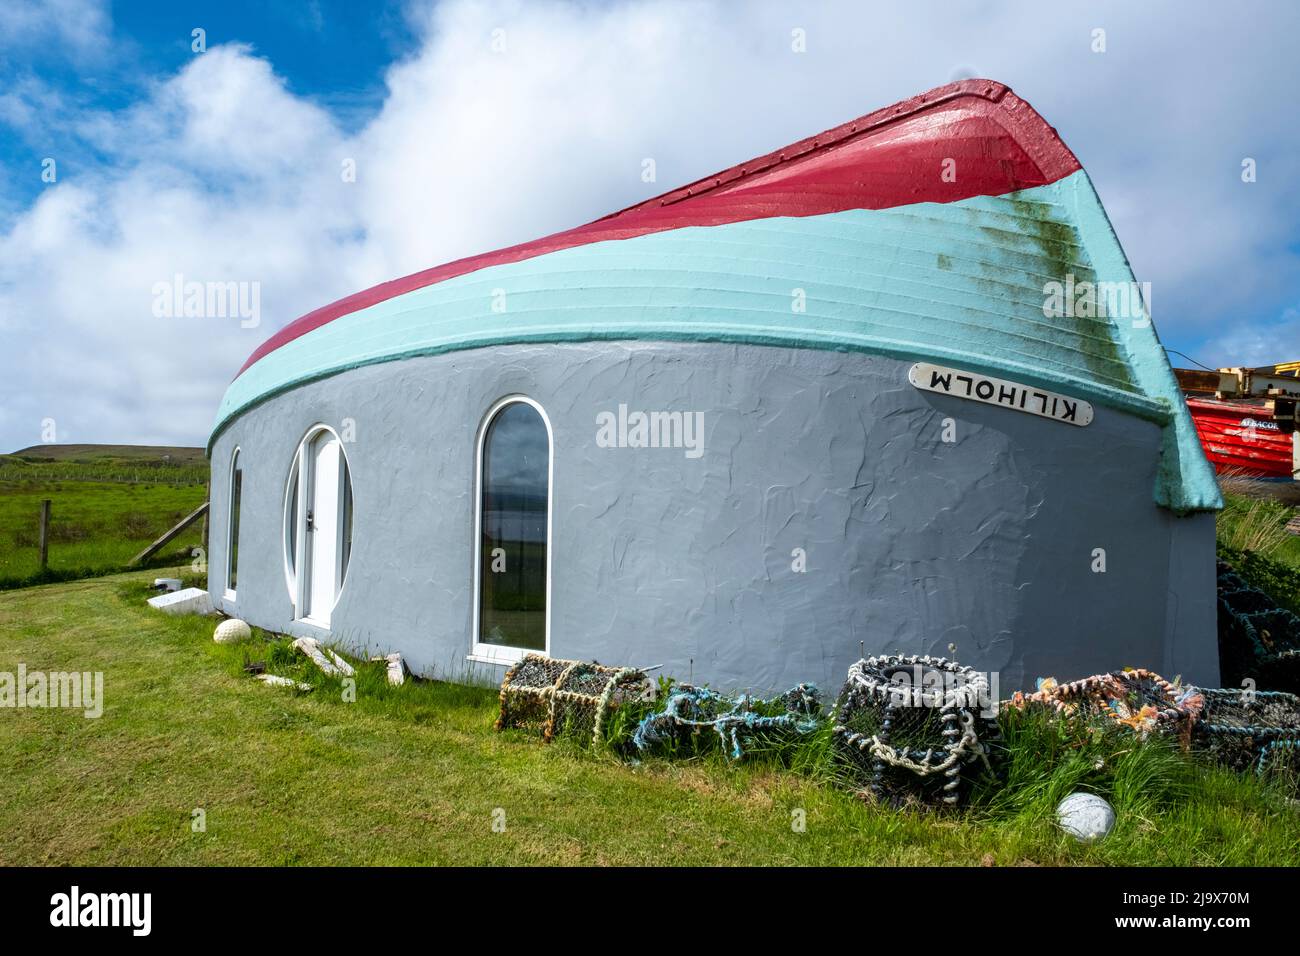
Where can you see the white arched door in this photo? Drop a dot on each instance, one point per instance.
(320, 540)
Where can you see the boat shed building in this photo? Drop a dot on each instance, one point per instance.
(873, 392)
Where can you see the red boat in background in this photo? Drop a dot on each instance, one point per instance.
(1248, 419)
(1241, 437)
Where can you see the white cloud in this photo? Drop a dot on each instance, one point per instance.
(82, 25)
(1259, 343)
(222, 173)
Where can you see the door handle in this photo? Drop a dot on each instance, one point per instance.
(310, 525)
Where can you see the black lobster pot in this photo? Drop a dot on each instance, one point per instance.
(914, 727)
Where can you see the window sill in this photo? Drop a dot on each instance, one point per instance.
(228, 596)
(505, 657)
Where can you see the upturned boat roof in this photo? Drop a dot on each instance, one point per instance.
(927, 230)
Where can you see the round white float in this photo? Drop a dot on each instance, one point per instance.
(232, 631)
(1085, 816)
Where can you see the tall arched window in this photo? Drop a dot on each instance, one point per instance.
(512, 614)
(232, 527)
(317, 525)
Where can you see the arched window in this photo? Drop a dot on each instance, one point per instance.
(317, 525)
(512, 564)
(232, 526)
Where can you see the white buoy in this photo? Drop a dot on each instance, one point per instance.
(232, 631)
(1085, 816)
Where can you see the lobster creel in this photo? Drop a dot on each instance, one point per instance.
(911, 726)
(1258, 639)
(1139, 699)
(554, 697)
(1244, 728)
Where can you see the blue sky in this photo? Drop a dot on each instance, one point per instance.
(333, 53)
(225, 164)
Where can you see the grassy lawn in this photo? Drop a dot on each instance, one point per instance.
(1252, 537)
(413, 775)
(105, 508)
(1259, 524)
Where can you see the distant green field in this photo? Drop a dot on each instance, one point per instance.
(179, 453)
(126, 463)
(108, 503)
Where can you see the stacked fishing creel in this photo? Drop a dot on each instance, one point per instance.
(739, 722)
(1136, 698)
(554, 697)
(1246, 729)
(1258, 640)
(914, 726)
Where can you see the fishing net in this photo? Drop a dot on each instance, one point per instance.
(1139, 699)
(1281, 758)
(740, 723)
(1257, 639)
(574, 698)
(1248, 728)
(908, 726)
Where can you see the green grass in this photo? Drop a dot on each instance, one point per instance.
(412, 775)
(108, 503)
(1252, 538)
(1258, 525)
(95, 527)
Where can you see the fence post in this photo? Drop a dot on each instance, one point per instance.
(45, 533)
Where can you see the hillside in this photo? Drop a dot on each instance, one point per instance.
(89, 453)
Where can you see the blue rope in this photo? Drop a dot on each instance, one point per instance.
(734, 720)
(1282, 743)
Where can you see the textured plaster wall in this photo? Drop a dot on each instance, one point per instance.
(912, 543)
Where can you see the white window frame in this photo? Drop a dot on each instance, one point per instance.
(301, 469)
(291, 567)
(227, 591)
(497, 653)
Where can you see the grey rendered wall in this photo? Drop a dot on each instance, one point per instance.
(913, 544)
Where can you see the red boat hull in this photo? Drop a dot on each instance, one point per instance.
(1240, 438)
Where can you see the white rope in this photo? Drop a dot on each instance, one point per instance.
(969, 743)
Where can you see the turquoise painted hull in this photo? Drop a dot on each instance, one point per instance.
(960, 283)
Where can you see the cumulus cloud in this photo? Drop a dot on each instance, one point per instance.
(80, 24)
(511, 120)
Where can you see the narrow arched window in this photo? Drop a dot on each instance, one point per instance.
(514, 510)
(232, 527)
